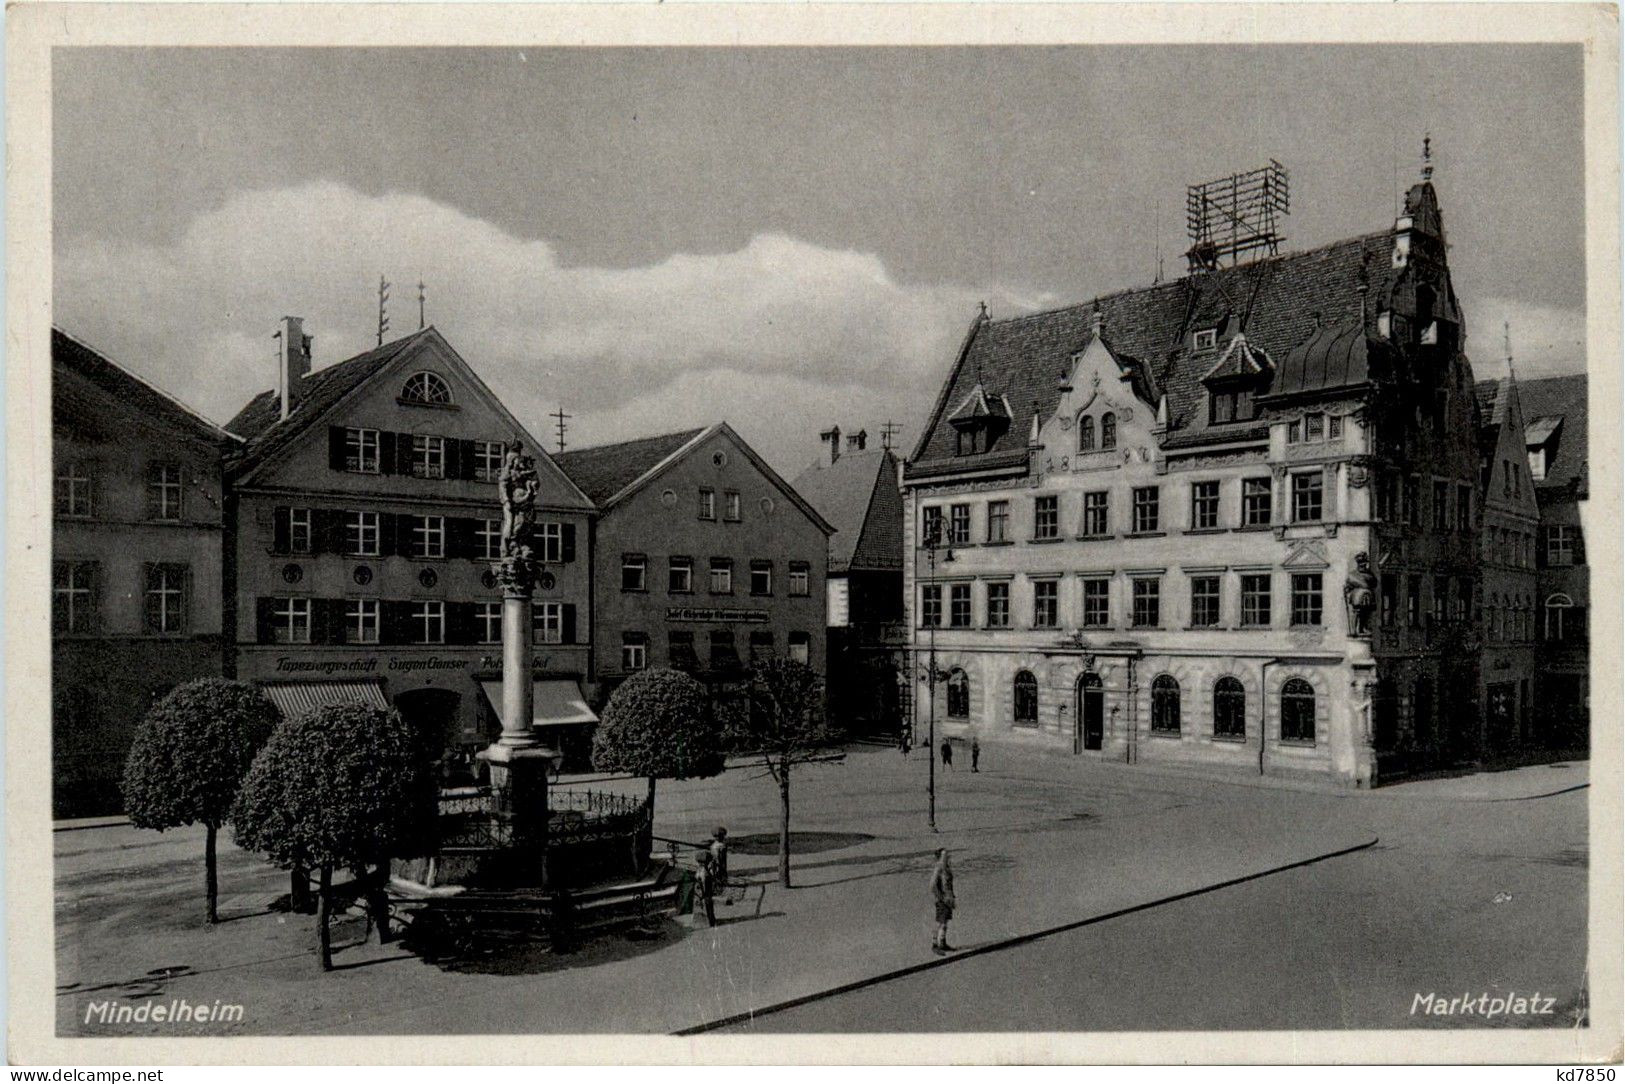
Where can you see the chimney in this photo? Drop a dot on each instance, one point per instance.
(293, 362)
(832, 437)
(857, 441)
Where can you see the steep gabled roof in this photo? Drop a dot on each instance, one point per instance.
(1491, 399)
(858, 494)
(1545, 403)
(604, 470)
(1274, 301)
(157, 406)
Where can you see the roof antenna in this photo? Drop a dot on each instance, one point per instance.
(383, 309)
(420, 304)
(1427, 157)
(1156, 226)
(559, 418)
(887, 431)
(1506, 340)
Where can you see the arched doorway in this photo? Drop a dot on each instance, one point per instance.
(1089, 727)
(433, 716)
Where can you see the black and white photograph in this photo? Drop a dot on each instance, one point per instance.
(814, 546)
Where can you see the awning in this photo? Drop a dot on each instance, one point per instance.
(297, 697)
(557, 701)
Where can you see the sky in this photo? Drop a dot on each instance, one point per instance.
(786, 239)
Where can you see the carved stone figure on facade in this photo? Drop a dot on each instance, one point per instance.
(1360, 595)
(518, 485)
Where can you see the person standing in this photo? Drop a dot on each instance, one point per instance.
(942, 896)
(718, 850)
(905, 739)
(947, 755)
(705, 887)
(975, 753)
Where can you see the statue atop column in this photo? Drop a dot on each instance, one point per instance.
(518, 485)
(1360, 595)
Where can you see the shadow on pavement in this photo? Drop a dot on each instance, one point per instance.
(764, 843)
(495, 954)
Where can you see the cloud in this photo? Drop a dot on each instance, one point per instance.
(1546, 341)
(779, 337)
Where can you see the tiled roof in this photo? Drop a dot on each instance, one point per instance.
(1559, 397)
(71, 354)
(858, 495)
(260, 423)
(1274, 301)
(1492, 413)
(605, 469)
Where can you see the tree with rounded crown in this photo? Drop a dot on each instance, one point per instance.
(188, 760)
(659, 724)
(783, 721)
(343, 785)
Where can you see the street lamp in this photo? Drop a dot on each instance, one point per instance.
(933, 543)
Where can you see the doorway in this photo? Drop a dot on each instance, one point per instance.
(1090, 729)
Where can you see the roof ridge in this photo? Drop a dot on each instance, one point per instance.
(614, 444)
(106, 359)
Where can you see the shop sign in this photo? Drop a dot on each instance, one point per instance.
(366, 665)
(714, 614)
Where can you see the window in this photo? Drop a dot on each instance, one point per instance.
(931, 606)
(1294, 431)
(1460, 599)
(959, 525)
(1229, 709)
(1146, 510)
(1256, 498)
(634, 651)
(428, 457)
(730, 505)
(1441, 599)
(300, 535)
(1204, 505)
(488, 618)
(1390, 600)
(1565, 622)
(1108, 431)
(429, 622)
(488, 539)
(931, 526)
(800, 579)
(487, 460)
(1464, 508)
(361, 534)
(1096, 514)
(1306, 497)
(1086, 433)
(958, 694)
(361, 621)
(290, 621)
(998, 605)
(1097, 612)
(425, 388)
(800, 647)
(1297, 711)
(164, 491)
(1413, 501)
(634, 572)
(1047, 517)
(680, 650)
(1046, 603)
(1230, 405)
(1413, 602)
(708, 503)
(1026, 690)
(73, 596)
(761, 646)
(1204, 601)
(165, 610)
(1314, 426)
(429, 537)
(1334, 427)
(1147, 603)
(724, 656)
(722, 576)
(680, 576)
(998, 521)
(1206, 339)
(1165, 705)
(1306, 598)
(547, 622)
(959, 606)
(1255, 600)
(549, 538)
(1562, 545)
(1441, 506)
(761, 577)
(73, 490)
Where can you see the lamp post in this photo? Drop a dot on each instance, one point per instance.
(932, 544)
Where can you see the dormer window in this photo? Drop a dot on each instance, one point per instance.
(1206, 339)
(980, 420)
(1230, 404)
(426, 389)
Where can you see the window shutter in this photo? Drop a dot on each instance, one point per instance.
(392, 622)
(468, 459)
(463, 623)
(94, 622)
(569, 631)
(149, 615)
(264, 619)
(387, 546)
(459, 538)
(186, 598)
(1578, 546)
(567, 545)
(386, 452)
(335, 447)
(281, 532)
(1541, 540)
(334, 619)
(454, 456)
(333, 530)
(403, 453)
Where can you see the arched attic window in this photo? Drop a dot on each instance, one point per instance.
(1086, 433)
(426, 387)
(1108, 431)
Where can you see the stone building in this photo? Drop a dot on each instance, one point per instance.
(703, 558)
(1228, 520)
(1555, 414)
(856, 490)
(137, 551)
(364, 518)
